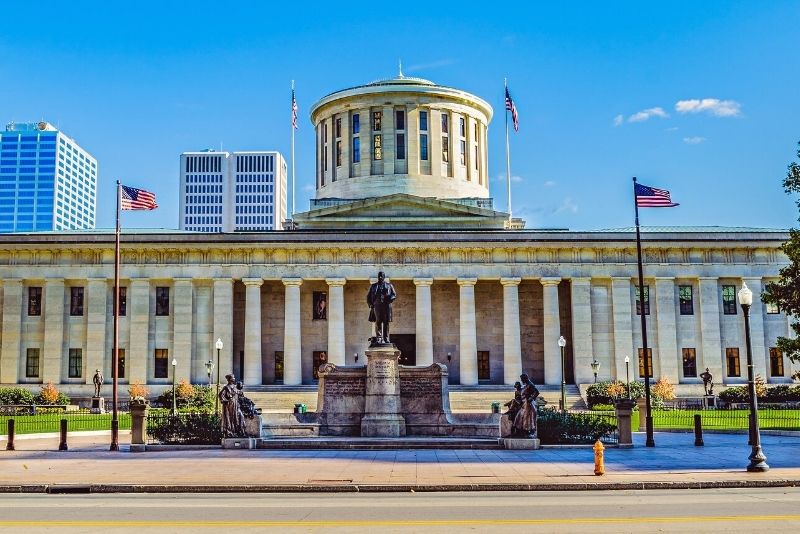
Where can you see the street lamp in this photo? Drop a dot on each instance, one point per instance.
(595, 368)
(563, 343)
(218, 346)
(355, 357)
(174, 403)
(628, 376)
(758, 462)
(209, 370)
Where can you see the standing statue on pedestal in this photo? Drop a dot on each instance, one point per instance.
(98, 381)
(231, 413)
(708, 382)
(525, 420)
(380, 297)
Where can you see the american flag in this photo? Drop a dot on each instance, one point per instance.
(650, 197)
(510, 106)
(137, 199)
(294, 111)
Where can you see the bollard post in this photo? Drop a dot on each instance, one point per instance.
(599, 463)
(698, 431)
(62, 446)
(11, 427)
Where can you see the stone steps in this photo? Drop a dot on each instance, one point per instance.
(373, 444)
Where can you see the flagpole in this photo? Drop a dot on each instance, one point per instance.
(115, 357)
(293, 128)
(508, 153)
(648, 414)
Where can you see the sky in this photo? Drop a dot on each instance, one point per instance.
(700, 98)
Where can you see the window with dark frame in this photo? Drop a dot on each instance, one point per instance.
(32, 365)
(686, 299)
(445, 123)
(356, 149)
(76, 301)
(484, 370)
(75, 363)
(34, 301)
(423, 147)
(463, 152)
(399, 119)
(775, 362)
(400, 149)
(279, 367)
(338, 153)
(445, 149)
(423, 121)
(377, 117)
(649, 362)
(356, 124)
(732, 361)
(646, 301)
(120, 365)
(161, 363)
(729, 301)
(123, 301)
(689, 362)
(338, 128)
(162, 301)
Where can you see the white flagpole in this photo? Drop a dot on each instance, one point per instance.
(508, 153)
(293, 128)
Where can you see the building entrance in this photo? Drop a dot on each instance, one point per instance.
(407, 343)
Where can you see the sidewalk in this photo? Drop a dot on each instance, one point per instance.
(674, 463)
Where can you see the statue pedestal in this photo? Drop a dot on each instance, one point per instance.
(382, 413)
(521, 444)
(709, 401)
(98, 405)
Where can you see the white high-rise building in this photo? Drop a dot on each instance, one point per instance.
(232, 191)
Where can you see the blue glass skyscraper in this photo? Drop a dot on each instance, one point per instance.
(47, 181)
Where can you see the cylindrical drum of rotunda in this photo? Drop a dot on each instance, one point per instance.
(382, 414)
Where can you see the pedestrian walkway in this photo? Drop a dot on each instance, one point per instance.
(674, 462)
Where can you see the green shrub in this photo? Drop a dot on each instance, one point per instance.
(606, 392)
(603, 407)
(556, 428)
(188, 429)
(49, 394)
(779, 393)
(196, 397)
(16, 396)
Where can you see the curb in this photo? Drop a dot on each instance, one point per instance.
(389, 488)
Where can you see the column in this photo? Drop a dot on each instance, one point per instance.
(582, 342)
(12, 329)
(552, 331)
(512, 346)
(468, 337)
(711, 341)
(756, 328)
(182, 328)
(292, 347)
(138, 354)
(667, 339)
(336, 353)
(53, 346)
(251, 374)
(424, 319)
(223, 326)
(96, 328)
(623, 328)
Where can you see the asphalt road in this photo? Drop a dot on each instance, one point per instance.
(727, 510)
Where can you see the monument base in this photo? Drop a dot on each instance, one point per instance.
(383, 426)
(98, 405)
(521, 444)
(239, 443)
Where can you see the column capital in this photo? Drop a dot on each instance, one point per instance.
(550, 280)
(334, 281)
(469, 282)
(292, 282)
(253, 281)
(510, 280)
(423, 281)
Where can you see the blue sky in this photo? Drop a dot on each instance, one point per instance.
(702, 98)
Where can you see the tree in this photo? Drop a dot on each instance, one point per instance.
(785, 293)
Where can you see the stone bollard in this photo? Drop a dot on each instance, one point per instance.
(624, 409)
(641, 403)
(11, 432)
(599, 461)
(62, 445)
(138, 426)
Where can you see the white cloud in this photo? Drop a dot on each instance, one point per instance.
(549, 183)
(618, 120)
(567, 206)
(646, 114)
(714, 106)
(694, 140)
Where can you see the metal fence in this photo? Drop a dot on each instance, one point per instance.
(729, 418)
(166, 428)
(47, 419)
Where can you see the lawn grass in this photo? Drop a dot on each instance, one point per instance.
(77, 422)
(768, 419)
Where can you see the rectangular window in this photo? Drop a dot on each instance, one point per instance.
(161, 363)
(376, 120)
(689, 363)
(121, 364)
(356, 124)
(325, 159)
(445, 149)
(76, 301)
(338, 128)
(772, 308)
(123, 301)
(649, 363)
(399, 120)
(34, 301)
(75, 364)
(377, 148)
(338, 153)
(463, 152)
(729, 301)
(732, 361)
(423, 147)
(279, 364)
(162, 301)
(356, 149)
(646, 301)
(320, 358)
(775, 362)
(32, 363)
(400, 150)
(423, 121)
(445, 123)
(462, 127)
(484, 372)
(686, 300)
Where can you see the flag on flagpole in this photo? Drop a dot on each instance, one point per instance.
(136, 199)
(510, 106)
(650, 197)
(294, 110)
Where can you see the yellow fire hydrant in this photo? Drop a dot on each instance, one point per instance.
(599, 464)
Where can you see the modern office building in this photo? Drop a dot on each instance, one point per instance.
(232, 191)
(47, 181)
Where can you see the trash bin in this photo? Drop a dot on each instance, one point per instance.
(300, 408)
(495, 407)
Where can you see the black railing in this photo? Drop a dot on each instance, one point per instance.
(41, 419)
(730, 418)
(165, 428)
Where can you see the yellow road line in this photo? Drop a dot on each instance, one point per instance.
(378, 523)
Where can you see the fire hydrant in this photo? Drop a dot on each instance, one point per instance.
(599, 464)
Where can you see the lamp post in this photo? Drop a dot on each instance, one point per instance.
(628, 376)
(355, 357)
(563, 343)
(174, 400)
(595, 365)
(758, 462)
(218, 346)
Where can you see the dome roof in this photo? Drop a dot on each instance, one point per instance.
(401, 80)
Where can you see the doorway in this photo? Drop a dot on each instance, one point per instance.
(407, 344)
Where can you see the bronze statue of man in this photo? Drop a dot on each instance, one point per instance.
(98, 381)
(708, 382)
(380, 297)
